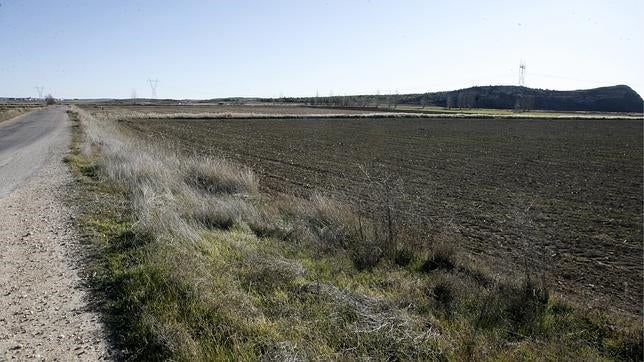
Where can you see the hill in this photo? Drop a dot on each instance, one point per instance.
(619, 98)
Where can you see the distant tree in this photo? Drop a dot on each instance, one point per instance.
(449, 103)
(528, 103)
(470, 100)
(459, 100)
(395, 100)
(524, 103)
(49, 100)
(465, 100)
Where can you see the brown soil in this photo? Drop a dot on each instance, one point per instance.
(558, 196)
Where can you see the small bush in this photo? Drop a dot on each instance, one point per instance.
(338, 225)
(526, 303)
(443, 294)
(365, 253)
(519, 307)
(442, 257)
(403, 256)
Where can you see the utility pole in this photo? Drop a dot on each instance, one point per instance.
(520, 103)
(153, 86)
(40, 90)
(522, 74)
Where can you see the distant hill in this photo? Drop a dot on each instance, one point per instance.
(619, 98)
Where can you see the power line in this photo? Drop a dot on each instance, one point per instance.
(153, 86)
(40, 90)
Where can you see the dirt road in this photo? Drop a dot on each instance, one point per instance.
(44, 312)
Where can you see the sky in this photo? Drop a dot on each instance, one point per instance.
(207, 49)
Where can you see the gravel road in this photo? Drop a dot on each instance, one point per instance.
(44, 307)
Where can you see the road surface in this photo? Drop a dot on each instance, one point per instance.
(26, 143)
(45, 309)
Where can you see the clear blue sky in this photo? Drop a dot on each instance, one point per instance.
(203, 49)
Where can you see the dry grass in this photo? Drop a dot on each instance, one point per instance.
(199, 265)
(8, 112)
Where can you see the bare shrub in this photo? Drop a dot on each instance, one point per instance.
(388, 192)
(336, 225)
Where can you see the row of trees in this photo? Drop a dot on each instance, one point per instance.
(360, 101)
(471, 100)
(460, 99)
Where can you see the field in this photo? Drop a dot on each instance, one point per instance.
(8, 111)
(509, 112)
(563, 197)
(354, 239)
(216, 108)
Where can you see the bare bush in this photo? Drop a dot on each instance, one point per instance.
(388, 192)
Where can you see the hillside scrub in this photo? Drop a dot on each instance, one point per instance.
(195, 263)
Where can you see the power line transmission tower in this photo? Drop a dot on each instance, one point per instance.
(153, 86)
(522, 73)
(40, 90)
